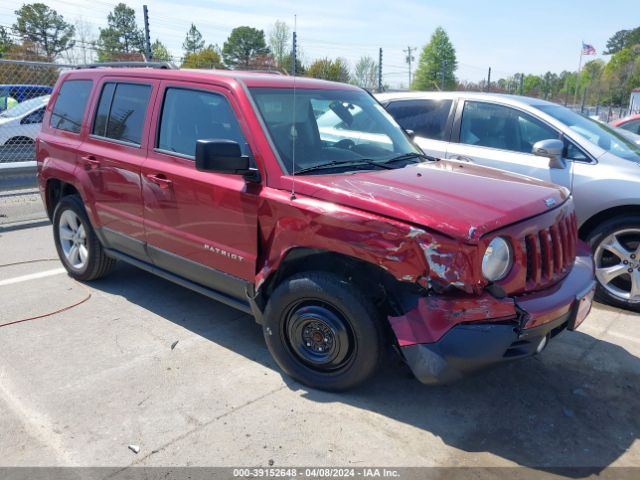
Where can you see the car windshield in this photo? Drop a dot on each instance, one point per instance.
(25, 107)
(596, 132)
(337, 129)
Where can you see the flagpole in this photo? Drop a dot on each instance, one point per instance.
(575, 94)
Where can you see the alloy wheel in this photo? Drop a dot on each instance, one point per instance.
(617, 259)
(73, 240)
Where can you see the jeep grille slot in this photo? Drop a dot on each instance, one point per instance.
(550, 253)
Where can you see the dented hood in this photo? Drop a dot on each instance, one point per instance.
(460, 200)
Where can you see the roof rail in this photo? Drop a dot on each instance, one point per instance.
(162, 65)
(272, 72)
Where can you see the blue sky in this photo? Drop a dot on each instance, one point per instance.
(510, 36)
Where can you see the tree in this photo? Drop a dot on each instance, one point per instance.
(622, 39)
(335, 70)
(159, 52)
(45, 28)
(122, 35)
(193, 42)
(531, 85)
(437, 64)
(365, 74)
(5, 42)
(279, 42)
(205, 58)
(288, 60)
(243, 45)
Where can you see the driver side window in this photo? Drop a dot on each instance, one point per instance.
(501, 127)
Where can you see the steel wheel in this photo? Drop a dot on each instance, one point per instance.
(617, 259)
(319, 335)
(73, 240)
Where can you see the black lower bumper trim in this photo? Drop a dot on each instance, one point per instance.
(470, 347)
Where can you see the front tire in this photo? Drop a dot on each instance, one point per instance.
(323, 331)
(78, 246)
(616, 247)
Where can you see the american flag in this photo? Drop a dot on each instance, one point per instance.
(588, 49)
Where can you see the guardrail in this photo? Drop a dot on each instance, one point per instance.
(15, 175)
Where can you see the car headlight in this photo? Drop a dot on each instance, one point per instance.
(497, 260)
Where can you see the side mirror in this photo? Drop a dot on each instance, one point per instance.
(223, 156)
(410, 133)
(33, 118)
(551, 149)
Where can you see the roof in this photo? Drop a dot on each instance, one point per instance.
(383, 97)
(224, 77)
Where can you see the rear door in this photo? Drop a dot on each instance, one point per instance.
(111, 158)
(202, 226)
(430, 120)
(500, 136)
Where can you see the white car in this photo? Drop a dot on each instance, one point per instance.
(20, 125)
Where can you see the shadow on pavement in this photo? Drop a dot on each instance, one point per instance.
(576, 405)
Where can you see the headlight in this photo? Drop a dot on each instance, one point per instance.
(497, 260)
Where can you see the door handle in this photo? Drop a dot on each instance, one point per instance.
(90, 162)
(159, 179)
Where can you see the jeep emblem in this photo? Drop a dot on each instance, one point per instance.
(549, 202)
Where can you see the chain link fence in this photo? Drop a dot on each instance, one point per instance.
(24, 91)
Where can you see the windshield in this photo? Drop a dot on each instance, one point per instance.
(345, 127)
(596, 132)
(25, 107)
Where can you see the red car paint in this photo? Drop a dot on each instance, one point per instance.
(621, 121)
(427, 225)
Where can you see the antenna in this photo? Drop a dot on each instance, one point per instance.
(294, 133)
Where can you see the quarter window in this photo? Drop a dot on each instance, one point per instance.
(192, 115)
(497, 126)
(70, 105)
(427, 118)
(121, 112)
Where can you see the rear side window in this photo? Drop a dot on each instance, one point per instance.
(427, 118)
(70, 105)
(121, 112)
(192, 115)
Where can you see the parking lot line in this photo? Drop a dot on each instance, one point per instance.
(32, 276)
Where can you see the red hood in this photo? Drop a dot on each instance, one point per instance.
(460, 200)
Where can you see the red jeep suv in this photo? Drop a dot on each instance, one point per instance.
(304, 204)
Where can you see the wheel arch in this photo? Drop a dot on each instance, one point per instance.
(55, 190)
(597, 219)
(394, 296)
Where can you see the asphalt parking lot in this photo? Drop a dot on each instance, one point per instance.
(79, 386)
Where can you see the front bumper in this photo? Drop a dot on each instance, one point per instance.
(444, 340)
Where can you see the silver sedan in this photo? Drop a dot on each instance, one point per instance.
(550, 142)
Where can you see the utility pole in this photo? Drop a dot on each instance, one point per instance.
(410, 58)
(489, 80)
(521, 83)
(380, 70)
(147, 36)
(294, 54)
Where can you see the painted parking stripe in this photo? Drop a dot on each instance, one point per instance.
(32, 276)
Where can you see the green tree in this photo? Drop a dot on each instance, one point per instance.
(622, 39)
(279, 42)
(45, 28)
(532, 85)
(244, 45)
(193, 42)
(159, 52)
(336, 70)
(122, 35)
(5, 42)
(287, 62)
(437, 64)
(365, 74)
(205, 58)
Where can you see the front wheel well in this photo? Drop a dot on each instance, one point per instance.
(592, 223)
(55, 191)
(388, 293)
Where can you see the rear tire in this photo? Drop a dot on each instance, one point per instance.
(78, 246)
(323, 331)
(616, 247)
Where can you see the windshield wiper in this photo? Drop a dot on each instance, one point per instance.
(408, 156)
(344, 163)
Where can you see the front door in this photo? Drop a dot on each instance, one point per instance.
(500, 136)
(202, 226)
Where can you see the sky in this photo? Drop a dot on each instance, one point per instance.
(508, 36)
